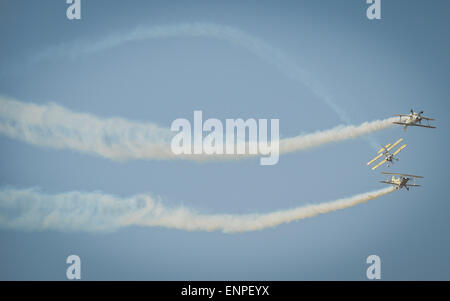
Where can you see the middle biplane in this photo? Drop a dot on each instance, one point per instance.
(388, 157)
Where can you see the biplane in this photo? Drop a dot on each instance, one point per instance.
(414, 119)
(401, 181)
(388, 157)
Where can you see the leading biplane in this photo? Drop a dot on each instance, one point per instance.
(414, 119)
(388, 157)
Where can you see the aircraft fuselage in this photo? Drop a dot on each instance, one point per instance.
(400, 182)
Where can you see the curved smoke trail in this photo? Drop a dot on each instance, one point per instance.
(119, 139)
(32, 210)
(258, 47)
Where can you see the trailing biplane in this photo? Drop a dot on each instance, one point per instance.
(401, 181)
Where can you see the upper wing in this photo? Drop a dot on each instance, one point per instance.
(426, 118)
(374, 159)
(397, 142)
(414, 176)
(383, 148)
(399, 149)
(400, 174)
(379, 164)
(402, 115)
(412, 185)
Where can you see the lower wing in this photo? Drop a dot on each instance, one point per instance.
(374, 159)
(379, 164)
(415, 124)
(424, 126)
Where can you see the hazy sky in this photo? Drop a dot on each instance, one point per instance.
(369, 69)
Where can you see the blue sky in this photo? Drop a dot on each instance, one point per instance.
(371, 69)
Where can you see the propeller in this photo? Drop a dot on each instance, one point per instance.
(420, 117)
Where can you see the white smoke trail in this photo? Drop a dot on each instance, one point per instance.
(32, 210)
(57, 127)
(119, 139)
(333, 135)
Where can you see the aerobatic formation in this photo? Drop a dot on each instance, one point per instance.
(412, 119)
(53, 126)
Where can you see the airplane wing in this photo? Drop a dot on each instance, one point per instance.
(424, 126)
(400, 174)
(412, 185)
(399, 149)
(384, 147)
(397, 142)
(426, 118)
(414, 124)
(379, 164)
(401, 115)
(374, 159)
(414, 176)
